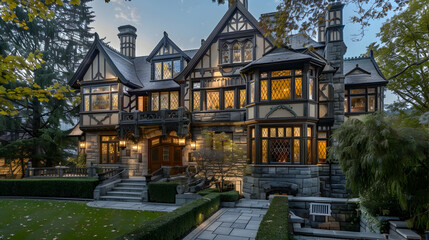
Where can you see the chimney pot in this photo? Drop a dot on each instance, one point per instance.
(127, 37)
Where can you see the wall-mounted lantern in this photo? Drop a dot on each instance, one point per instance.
(182, 141)
(193, 145)
(82, 146)
(122, 144)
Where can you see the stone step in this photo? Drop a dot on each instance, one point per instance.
(134, 180)
(120, 193)
(140, 185)
(121, 198)
(127, 189)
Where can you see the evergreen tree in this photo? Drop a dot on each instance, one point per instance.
(63, 41)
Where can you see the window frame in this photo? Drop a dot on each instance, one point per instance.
(228, 47)
(348, 95)
(159, 100)
(268, 76)
(162, 62)
(88, 96)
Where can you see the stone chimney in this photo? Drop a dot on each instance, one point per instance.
(244, 2)
(127, 37)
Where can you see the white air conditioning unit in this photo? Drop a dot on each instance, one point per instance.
(320, 209)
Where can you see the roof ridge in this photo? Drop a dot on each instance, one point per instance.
(116, 51)
(357, 58)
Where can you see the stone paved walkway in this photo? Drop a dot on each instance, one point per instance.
(240, 223)
(144, 206)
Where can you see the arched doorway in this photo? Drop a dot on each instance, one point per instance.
(164, 152)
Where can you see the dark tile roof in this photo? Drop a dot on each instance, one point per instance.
(300, 41)
(367, 64)
(281, 55)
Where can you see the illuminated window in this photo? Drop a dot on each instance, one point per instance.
(248, 52)
(143, 103)
(212, 100)
(166, 69)
(236, 53)
(229, 99)
(280, 89)
(264, 150)
(360, 100)
(371, 103)
(279, 146)
(86, 100)
(311, 88)
(296, 151)
(100, 98)
(264, 92)
(197, 101)
(252, 92)
(357, 104)
(298, 87)
(242, 98)
(281, 73)
(158, 71)
(321, 149)
(174, 100)
(225, 53)
(346, 104)
(164, 100)
(155, 101)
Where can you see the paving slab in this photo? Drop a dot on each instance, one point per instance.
(144, 206)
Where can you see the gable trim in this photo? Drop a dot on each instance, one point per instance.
(163, 42)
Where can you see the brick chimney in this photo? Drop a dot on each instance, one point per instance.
(127, 37)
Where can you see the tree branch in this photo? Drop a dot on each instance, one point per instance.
(406, 68)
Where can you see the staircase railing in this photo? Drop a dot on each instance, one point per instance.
(165, 172)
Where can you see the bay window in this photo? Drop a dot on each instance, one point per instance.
(284, 85)
(212, 98)
(100, 98)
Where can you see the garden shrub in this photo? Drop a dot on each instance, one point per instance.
(175, 224)
(163, 192)
(53, 187)
(275, 224)
(231, 196)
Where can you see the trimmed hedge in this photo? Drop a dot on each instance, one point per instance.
(53, 187)
(175, 224)
(275, 224)
(231, 196)
(162, 192)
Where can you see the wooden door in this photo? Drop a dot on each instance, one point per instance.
(164, 153)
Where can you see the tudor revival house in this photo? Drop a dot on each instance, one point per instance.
(281, 104)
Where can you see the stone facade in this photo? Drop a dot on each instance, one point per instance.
(332, 181)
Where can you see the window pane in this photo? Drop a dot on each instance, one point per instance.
(252, 92)
(311, 88)
(296, 153)
(86, 103)
(253, 151)
(264, 93)
(273, 132)
(100, 89)
(299, 72)
(357, 91)
(196, 101)
(264, 132)
(225, 54)
(264, 150)
(371, 103)
(321, 148)
(168, 69)
(166, 154)
(263, 75)
(176, 68)
(280, 132)
(196, 85)
(280, 150)
(298, 87)
(253, 133)
(242, 98)
(174, 100)
(236, 53)
(114, 101)
(308, 131)
(357, 104)
(309, 152)
(296, 131)
(346, 104)
(114, 88)
(155, 101)
(140, 103)
(248, 52)
(371, 90)
(164, 100)
(158, 71)
(100, 102)
(280, 89)
(212, 100)
(229, 99)
(86, 90)
(289, 132)
(281, 73)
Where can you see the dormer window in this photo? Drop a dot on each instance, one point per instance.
(225, 53)
(166, 69)
(248, 52)
(237, 52)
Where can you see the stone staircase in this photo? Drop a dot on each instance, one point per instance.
(127, 190)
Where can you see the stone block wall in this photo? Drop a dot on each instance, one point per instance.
(92, 149)
(332, 181)
(299, 180)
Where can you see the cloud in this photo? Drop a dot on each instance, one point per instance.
(192, 40)
(126, 12)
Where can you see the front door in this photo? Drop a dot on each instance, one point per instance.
(164, 152)
(109, 149)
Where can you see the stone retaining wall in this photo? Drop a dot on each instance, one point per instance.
(332, 181)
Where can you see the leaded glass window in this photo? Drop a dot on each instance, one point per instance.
(236, 53)
(280, 150)
(252, 92)
(174, 100)
(197, 101)
(242, 98)
(167, 70)
(176, 68)
(229, 99)
(164, 100)
(100, 102)
(280, 89)
(212, 100)
(264, 150)
(371, 103)
(264, 90)
(321, 149)
(298, 87)
(279, 146)
(248, 52)
(225, 53)
(155, 101)
(296, 151)
(311, 88)
(158, 71)
(114, 101)
(100, 98)
(296, 131)
(86, 101)
(281, 73)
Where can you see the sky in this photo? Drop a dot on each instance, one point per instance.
(189, 21)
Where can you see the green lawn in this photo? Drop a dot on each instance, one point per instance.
(34, 219)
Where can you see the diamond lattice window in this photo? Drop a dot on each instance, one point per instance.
(280, 89)
(229, 99)
(86, 99)
(265, 150)
(280, 150)
(196, 101)
(281, 73)
(248, 52)
(289, 132)
(114, 101)
(236, 53)
(164, 100)
(296, 131)
(168, 69)
(296, 148)
(298, 87)
(321, 148)
(174, 100)
(155, 101)
(242, 98)
(225, 54)
(264, 132)
(158, 71)
(212, 100)
(264, 90)
(273, 132)
(280, 132)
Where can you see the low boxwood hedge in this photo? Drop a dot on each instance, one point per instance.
(231, 196)
(175, 224)
(162, 192)
(53, 187)
(275, 224)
